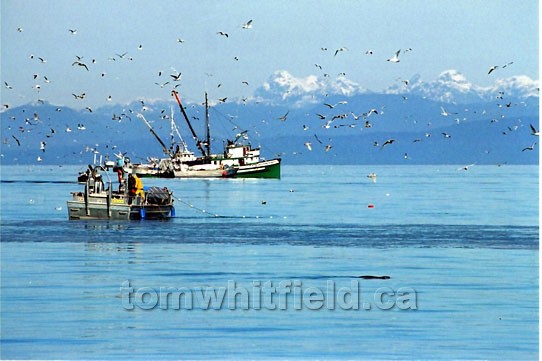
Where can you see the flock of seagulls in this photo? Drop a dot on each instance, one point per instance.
(336, 115)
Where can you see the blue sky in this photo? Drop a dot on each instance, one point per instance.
(469, 36)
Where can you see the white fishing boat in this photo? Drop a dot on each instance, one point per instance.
(181, 163)
(237, 154)
(247, 161)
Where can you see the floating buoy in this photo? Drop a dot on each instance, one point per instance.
(371, 205)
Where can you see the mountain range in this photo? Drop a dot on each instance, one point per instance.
(445, 121)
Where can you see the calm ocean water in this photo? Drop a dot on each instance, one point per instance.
(460, 248)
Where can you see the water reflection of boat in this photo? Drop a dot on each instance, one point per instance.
(99, 200)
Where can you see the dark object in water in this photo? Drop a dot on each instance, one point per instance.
(375, 277)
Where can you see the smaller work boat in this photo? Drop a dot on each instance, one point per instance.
(99, 200)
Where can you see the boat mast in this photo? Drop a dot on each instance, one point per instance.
(164, 147)
(208, 145)
(172, 134)
(198, 142)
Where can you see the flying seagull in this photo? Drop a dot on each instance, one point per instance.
(529, 148)
(222, 33)
(308, 145)
(534, 131)
(389, 141)
(466, 167)
(340, 49)
(284, 117)
(395, 58)
(80, 64)
(17, 140)
(247, 25)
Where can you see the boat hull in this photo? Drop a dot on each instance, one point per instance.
(78, 211)
(156, 204)
(206, 173)
(264, 169)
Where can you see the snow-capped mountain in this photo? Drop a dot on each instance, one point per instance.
(450, 86)
(283, 86)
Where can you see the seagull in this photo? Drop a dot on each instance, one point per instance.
(222, 33)
(247, 25)
(466, 167)
(308, 145)
(68, 129)
(8, 86)
(328, 147)
(372, 176)
(20, 30)
(81, 96)
(446, 135)
(222, 100)
(121, 55)
(444, 112)
(162, 85)
(17, 140)
(176, 77)
(180, 40)
(340, 49)
(369, 52)
(529, 148)
(72, 31)
(284, 117)
(322, 117)
(492, 69)
(39, 159)
(140, 47)
(371, 112)
(395, 58)
(389, 141)
(80, 64)
(42, 146)
(534, 131)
